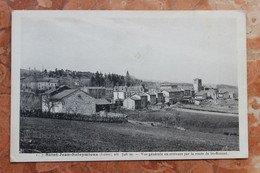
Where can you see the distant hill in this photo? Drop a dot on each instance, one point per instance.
(24, 71)
(226, 86)
(229, 88)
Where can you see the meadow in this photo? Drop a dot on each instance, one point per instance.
(145, 131)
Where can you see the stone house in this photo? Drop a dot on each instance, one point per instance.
(151, 97)
(132, 103)
(173, 96)
(143, 98)
(160, 97)
(202, 95)
(45, 84)
(71, 101)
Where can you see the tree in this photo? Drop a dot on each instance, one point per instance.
(92, 81)
(170, 119)
(128, 79)
(48, 103)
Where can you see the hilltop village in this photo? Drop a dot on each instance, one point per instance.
(93, 93)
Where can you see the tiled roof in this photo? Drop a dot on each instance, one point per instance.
(63, 94)
(102, 102)
(56, 89)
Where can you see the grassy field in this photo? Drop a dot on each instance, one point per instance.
(192, 120)
(54, 135)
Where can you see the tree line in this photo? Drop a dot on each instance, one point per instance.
(96, 79)
(111, 80)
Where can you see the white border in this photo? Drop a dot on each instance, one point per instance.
(15, 156)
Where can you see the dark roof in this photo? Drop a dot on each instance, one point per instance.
(53, 90)
(102, 102)
(49, 91)
(173, 90)
(63, 94)
(141, 94)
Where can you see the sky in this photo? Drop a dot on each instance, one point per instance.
(158, 49)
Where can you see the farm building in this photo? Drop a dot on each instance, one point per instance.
(143, 98)
(188, 93)
(151, 97)
(160, 97)
(223, 95)
(132, 103)
(96, 92)
(72, 101)
(202, 95)
(102, 105)
(199, 97)
(173, 96)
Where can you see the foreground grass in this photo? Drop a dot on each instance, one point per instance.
(53, 135)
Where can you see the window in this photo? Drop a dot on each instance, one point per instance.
(79, 96)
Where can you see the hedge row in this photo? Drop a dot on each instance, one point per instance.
(78, 117)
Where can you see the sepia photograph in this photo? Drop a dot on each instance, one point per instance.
(128, 85)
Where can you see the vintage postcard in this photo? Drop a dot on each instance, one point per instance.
(128, 85)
